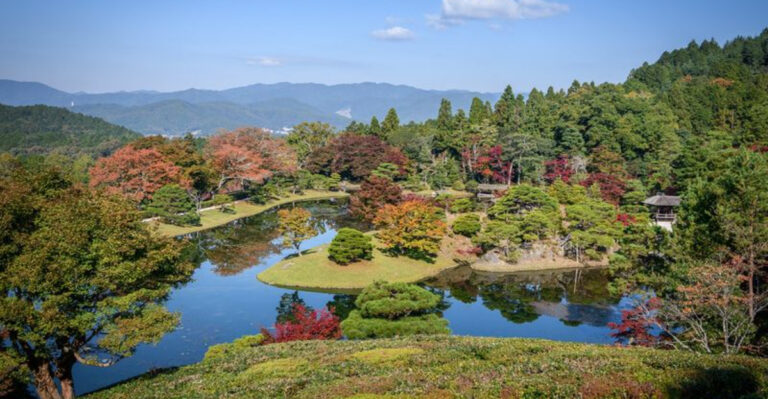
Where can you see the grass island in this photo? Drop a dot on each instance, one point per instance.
(313, 270)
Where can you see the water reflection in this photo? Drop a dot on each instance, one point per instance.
(225, 300)
(246, 242)
(574, 297)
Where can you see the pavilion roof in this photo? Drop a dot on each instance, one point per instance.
(662, 199)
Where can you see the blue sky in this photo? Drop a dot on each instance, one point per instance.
(482, 45)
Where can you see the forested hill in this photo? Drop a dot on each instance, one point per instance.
(714, 88)
(41, 129)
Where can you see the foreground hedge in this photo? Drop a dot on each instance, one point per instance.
(452, 367)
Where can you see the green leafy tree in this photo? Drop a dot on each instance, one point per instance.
(296, 227)
(727, 218)
(309, 136)
(350, 245)
(592, 227)
(502, 235)
(83, 278)
(520, 199)
(172, 204)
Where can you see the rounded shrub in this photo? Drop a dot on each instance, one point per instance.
(467, 225)
(394, 309)
(393, 300)
(462, 205)
(350, 245)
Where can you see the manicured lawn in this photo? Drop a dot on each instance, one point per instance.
(213, 218)
(451, 367)
(315, 271)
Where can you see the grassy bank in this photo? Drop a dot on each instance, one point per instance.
(451, 367)
(214, 218)
(314, 270)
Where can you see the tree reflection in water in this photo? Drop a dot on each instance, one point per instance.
(573, 296)
(246, 242)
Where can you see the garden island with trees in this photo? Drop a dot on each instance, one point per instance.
(95, 240)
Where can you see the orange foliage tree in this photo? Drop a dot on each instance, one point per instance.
(413, 228)
(249, 155)
(135, 173)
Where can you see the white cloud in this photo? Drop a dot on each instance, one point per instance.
(396, 33)
(264, 61)
(455, 12)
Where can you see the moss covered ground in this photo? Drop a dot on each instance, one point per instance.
(451, 367)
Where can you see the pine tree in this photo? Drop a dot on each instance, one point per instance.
(374, 129)
(390, 124)
(445, 116)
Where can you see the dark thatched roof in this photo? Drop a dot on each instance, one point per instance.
(662, 199)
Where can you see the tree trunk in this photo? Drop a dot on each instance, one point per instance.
(64, 374)
(44, 383)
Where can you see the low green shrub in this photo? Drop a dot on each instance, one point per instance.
(467, 225)
(462, 205)
(393, 300)
(221, 351)
(394, 309)
(350, 245)
(358, 327)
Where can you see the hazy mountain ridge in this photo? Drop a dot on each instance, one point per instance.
(272, 106)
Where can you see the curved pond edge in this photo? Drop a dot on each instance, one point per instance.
(213, 218)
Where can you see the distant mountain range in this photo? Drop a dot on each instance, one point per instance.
(272, 106)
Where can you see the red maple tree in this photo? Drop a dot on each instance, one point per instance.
(135, 173)
(306, 325)
(558, 168)
(354, 157)
(612, 187)
(374, 193)
(636, 325)
(249, 155)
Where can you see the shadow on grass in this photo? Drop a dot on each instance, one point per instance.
(416, 255)
(305, 252)
(720, 382)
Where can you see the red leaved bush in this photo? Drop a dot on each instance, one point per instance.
(558, 168)
(636, 324)
(612, 187)
(626, 219)
(306, 325)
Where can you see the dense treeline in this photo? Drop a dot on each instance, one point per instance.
(41, 129)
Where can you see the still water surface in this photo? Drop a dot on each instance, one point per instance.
(225, 301)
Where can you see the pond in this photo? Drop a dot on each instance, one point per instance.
(225, 300)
